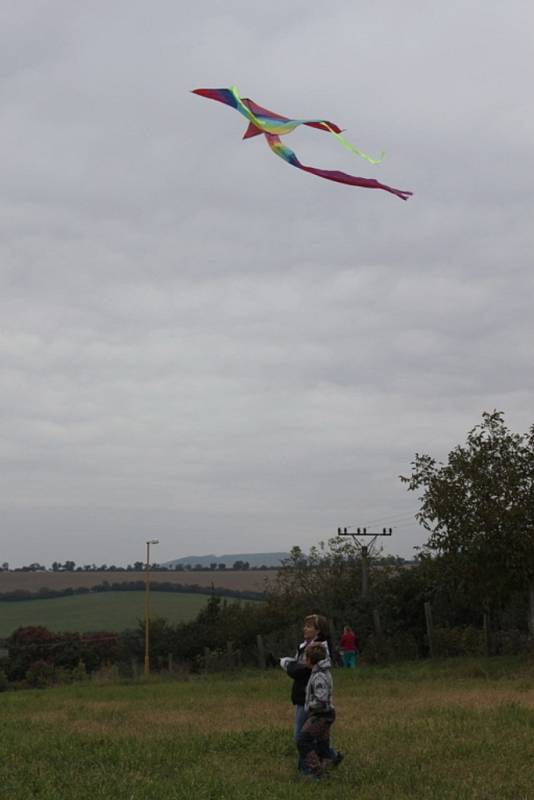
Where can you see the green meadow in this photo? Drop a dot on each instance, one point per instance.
(457, 730)
(113, 611)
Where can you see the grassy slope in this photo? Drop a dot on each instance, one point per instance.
(100, 611)
(453, 730)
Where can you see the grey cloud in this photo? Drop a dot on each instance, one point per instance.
(201, 342)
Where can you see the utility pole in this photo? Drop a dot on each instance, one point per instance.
(365, 550)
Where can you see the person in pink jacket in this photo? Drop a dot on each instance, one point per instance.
(348, 644)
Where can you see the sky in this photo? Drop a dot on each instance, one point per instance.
(204, 345)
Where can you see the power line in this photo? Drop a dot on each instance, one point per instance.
(401, 517)
(406, 524)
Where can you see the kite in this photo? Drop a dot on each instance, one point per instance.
(272, 126)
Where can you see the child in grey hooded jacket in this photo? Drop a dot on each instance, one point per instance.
(314, 738)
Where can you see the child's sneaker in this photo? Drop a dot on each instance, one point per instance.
(309, 776)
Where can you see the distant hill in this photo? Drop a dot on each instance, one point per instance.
(229, 559)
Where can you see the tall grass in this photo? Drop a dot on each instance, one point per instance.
(462, 729)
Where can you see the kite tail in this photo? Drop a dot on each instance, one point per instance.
(285, 152)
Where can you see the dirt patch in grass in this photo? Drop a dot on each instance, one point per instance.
(89, 727)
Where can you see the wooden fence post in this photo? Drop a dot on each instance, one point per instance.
(531, 609)
(169, 662)
(428, 620)
(377, 624)
(261, 651)
(230, 655)
(486, 627)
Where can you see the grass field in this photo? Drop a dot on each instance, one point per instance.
(454, 730)
(112, 611)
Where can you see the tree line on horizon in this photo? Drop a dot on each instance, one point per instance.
(137, 566)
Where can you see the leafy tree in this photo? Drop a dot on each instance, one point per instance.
(479, 510)
(326, 581)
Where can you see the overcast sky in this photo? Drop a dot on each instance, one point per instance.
(200, 343)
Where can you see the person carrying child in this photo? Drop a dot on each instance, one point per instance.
(313, 741)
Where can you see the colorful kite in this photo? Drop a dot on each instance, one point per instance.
(272, 126)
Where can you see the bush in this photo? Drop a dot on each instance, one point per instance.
(4, 683)
(468, 641)
(26, 647)
(510, 642)
(40, 675)
(405, 646)
(79, 673)
(218, 661)
(377, 651)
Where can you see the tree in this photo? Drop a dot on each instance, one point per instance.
(479, 510)
(326, 581)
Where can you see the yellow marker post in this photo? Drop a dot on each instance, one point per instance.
(147, 606)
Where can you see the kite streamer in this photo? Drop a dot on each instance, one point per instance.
(272, 126)
(288, 155)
